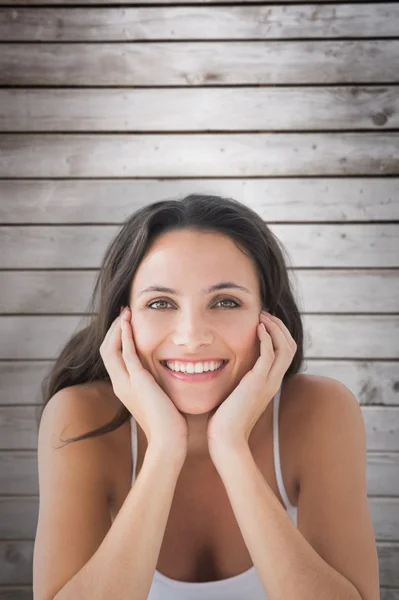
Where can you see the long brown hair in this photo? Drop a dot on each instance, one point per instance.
(80, 361)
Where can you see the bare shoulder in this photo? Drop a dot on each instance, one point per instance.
(333, 510)
(305, 393)
(75, 482)
(79, 409)
(314, 404)
(90, 404)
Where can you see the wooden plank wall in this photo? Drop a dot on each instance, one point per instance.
(291, 108)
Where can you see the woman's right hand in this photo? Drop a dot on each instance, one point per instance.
(164, 426)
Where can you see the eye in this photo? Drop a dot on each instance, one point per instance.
(157, 302)
(151, 304)
(236, 305)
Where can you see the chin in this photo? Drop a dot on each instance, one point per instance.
(195, 405)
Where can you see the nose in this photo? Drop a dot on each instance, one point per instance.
(192, 332)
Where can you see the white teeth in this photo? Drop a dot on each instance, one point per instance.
(194, 368)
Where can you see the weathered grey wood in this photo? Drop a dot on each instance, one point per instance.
(199, 63)
(19, 428)
(207, 109)
(19, 476)
(297, 199)
(198, 155)
(385, 517)
(20, 517)
(389, 593)
(92, 3)
(185, 23)
(372, 382)
(20, 381)
(388, 557)
(307, 245)
(316, 290)
(16, 561)
(26, 593)
(19, 473)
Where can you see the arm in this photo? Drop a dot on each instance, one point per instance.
(124, 564)
(332, 554)
(287, 565)
(79, 553)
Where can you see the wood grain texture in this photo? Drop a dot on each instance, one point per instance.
(199, 63)
(204, 22)
(305, 108)
(196, 155)
(304, 245)
(305, 199)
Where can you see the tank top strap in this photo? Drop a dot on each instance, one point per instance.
(133, 429)
(276, 450)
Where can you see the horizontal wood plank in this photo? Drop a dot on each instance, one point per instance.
(326, 336)
(200, 109)
(199, 63)
(91, 3)
(205, 22)
(316, 291)
(373, 382)
(26, 593)
(34, 201)
(305, 245)
(198, 155)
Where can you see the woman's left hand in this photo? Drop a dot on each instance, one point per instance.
(235, 418)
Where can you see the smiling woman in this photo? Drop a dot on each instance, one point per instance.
(219, 264)
(185, 497)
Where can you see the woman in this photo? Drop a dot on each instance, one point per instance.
(221, 471)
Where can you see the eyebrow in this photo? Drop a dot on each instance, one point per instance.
(223, 285)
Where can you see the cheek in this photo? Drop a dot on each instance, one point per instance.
(145, 335)
(244, 340)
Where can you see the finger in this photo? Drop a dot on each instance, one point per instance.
(129, 353)
(266, 340)
(266, 356)
(290, 340)
(113, 353)
(114, 325)
(280, 343)
(281, 352)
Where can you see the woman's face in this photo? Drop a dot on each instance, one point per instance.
(194, 324)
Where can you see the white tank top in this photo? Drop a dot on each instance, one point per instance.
(244, 585)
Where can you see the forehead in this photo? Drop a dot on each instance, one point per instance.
(189, 256)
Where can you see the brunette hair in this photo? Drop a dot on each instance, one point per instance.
(80, 361)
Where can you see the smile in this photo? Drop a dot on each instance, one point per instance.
(205, 376)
